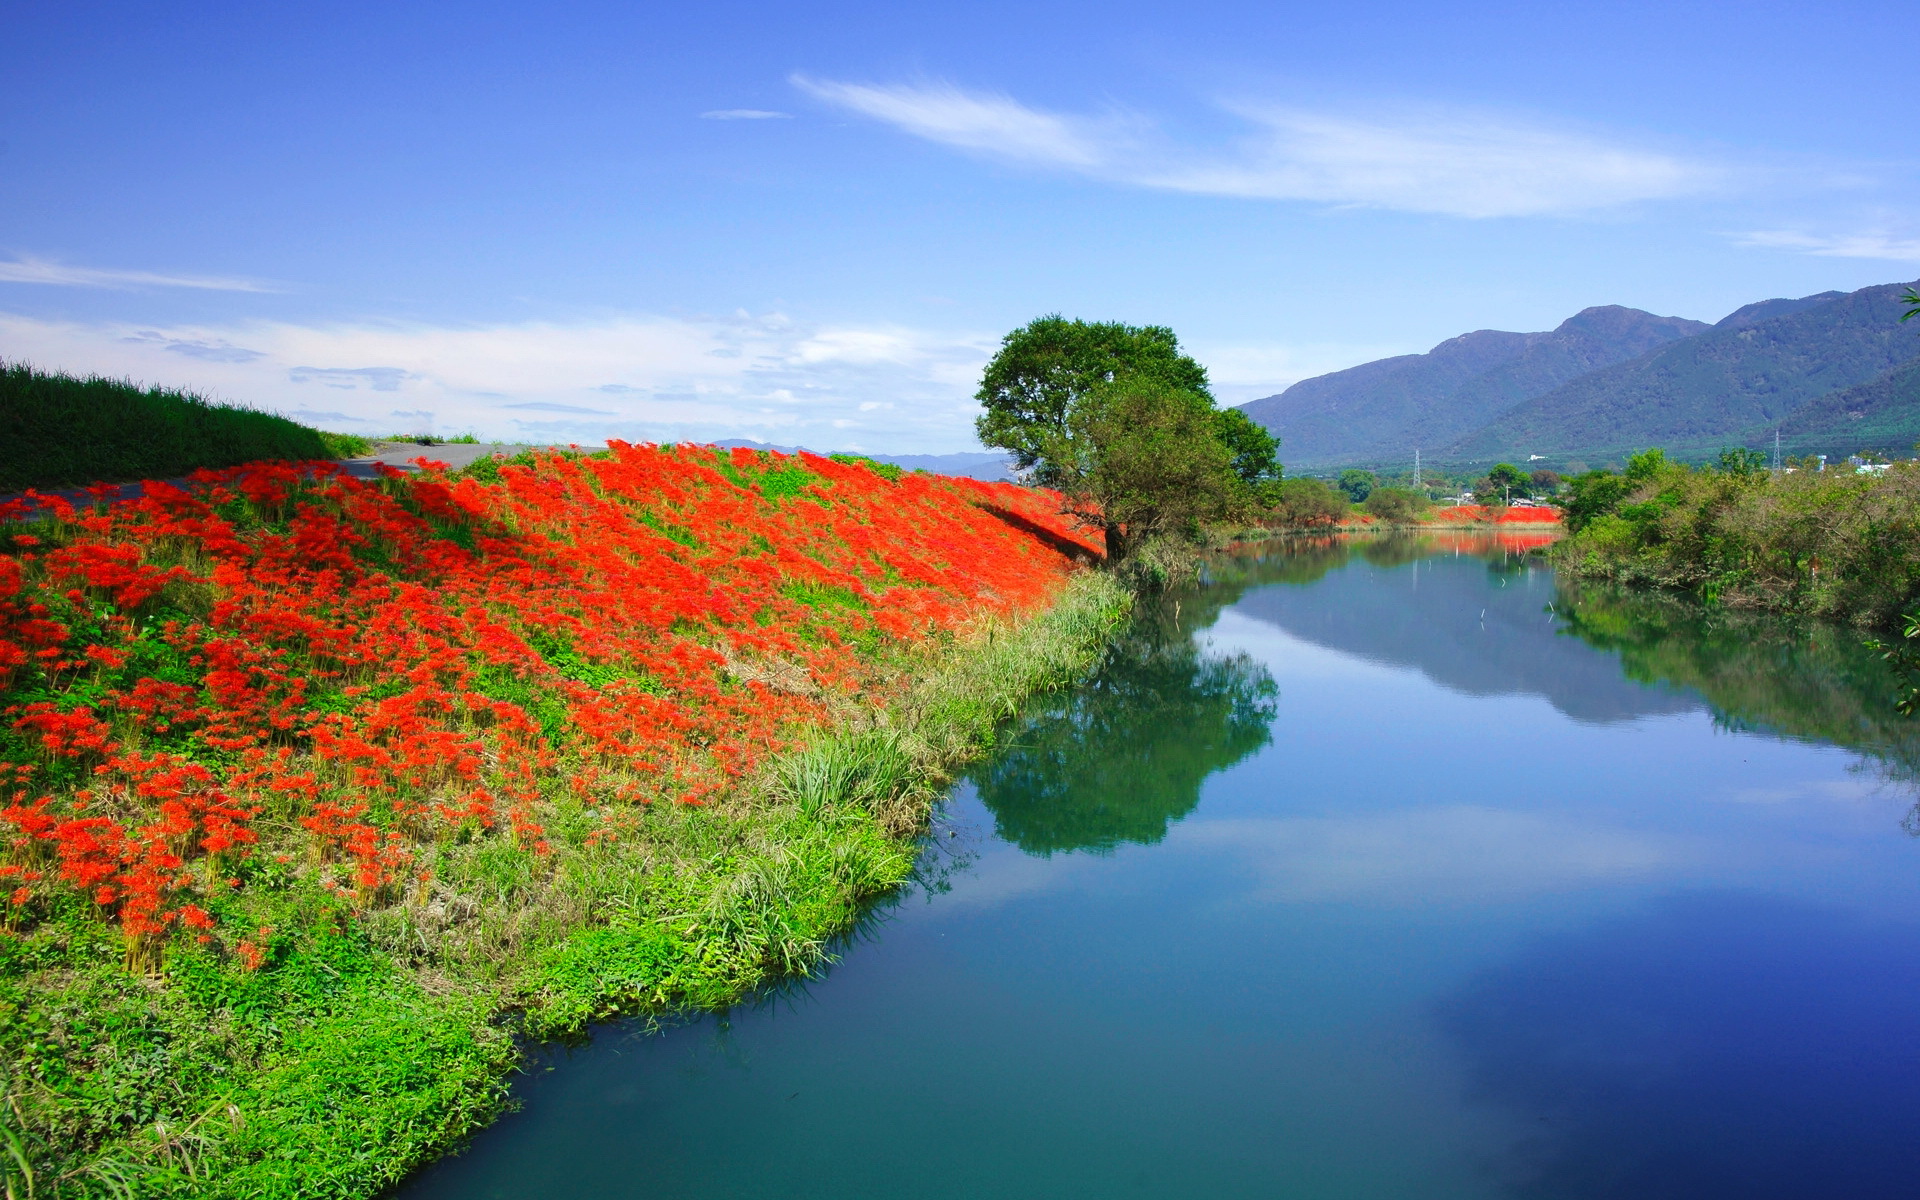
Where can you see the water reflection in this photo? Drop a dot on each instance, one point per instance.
(1441, 618)
(1123, 757)
(1718, 1045)
(1809, 682)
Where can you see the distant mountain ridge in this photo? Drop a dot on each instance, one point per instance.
(1728, 384)
(1390, 407)
(1829, 371)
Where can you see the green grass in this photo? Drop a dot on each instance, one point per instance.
(60, 431)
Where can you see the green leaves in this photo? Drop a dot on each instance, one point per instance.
(1047, 367)
(1904, 657)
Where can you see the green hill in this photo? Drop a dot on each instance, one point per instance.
(1387, 409)
(1881, 414)
(1732, 383)
(57, 430)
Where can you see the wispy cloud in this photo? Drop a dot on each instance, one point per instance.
(1878, 244)
(200, 348)
(744, 114)
(46, 271)
(549, 406)
(1431, 160)
(637, 377)
(380, 379)
(992, 124)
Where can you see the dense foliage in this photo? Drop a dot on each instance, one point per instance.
(1123, 423)
(1396, 506)
(1306, 503)
(1835, 543)
(308, 778)
(56, 430)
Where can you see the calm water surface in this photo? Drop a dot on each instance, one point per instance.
(1372, 871)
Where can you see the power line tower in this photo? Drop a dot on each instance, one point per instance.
(1776, 451)
(1416, 469)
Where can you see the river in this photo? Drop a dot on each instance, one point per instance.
(1372, 870)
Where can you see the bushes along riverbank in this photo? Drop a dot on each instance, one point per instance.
(59, 431)
(1834, 544)
(311, 780)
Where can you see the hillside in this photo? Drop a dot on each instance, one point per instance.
(1731, 383)
(57, 430)
(1881, 414)
(1386, 409)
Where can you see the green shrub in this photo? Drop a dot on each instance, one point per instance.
(1832, 544)
(1306, 502)
(1397, 506)
(60, 431)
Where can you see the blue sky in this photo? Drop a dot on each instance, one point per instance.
(809, 223)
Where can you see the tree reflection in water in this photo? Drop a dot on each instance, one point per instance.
(1122, 758)
(1800, 680)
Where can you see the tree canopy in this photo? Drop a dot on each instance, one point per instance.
(1123, 423)
(1357, 484)
(1047, 367)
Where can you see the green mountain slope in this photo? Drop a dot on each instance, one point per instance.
(1881, 414)
(1386, 409)
(1749, 373)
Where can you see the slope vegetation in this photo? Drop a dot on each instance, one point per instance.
(308, 780)
(59, 431)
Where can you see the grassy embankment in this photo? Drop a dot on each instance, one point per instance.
(59, 431)
(1835, 545)
(320, 791)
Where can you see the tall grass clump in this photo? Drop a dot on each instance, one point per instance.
(1835, 544)
(57, 430)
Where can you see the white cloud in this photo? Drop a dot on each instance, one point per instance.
(1879, 244)
(744, 114)
(1431, 161)
(638, 377)
(40, 270)
(997, 125)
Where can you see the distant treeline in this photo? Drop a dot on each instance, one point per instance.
(60, 431)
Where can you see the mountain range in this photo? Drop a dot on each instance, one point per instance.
(1833, 373)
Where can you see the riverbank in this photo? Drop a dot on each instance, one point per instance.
(322, 791)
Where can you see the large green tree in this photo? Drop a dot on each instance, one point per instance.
(1046, 368)
(1122, 422)
(1146, 462)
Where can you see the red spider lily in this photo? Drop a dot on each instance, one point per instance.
(400, 658)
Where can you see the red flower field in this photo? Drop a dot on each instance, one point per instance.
(365, 667)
